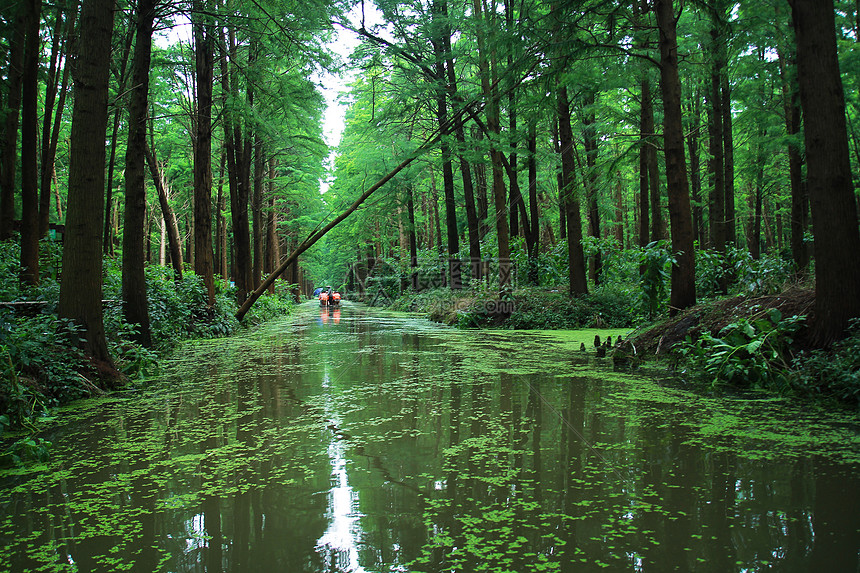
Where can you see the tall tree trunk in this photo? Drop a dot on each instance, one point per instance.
(646, 136)
(559, 179)
(716, 164)
(755, 244)
(491, 97)
(435, 201)
(799, 200)
(533, 236)
(575, 255)
(273, 253)
(694, 114)
(413, 243)
(454, 274)
(728, 158)
(204, 44)
(9, 159)
(58, 199)
(619, 210)
(170, 225)
(646, 125)
(480, 168)
(29, 127)
(134, 251)
(516, 202)
(109, 234)
(831, 190)
(46, 167)
(221, 223)
(590, 142)
(238, 148)
(683, 281)
(459, 133)
(257, 210)
(658, 226)
(81, 283)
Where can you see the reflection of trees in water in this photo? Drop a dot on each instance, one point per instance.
(511, 470)
(580, 486)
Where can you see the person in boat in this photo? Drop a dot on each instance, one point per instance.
(335, 298)
(326, 296)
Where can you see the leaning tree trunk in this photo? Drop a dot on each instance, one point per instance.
(831, 190)
(134, 251)
(81, 283)
(171, 227)
(683, 281)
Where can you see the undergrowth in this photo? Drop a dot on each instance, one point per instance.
(42, 367)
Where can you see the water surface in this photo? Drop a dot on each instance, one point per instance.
(355, 440)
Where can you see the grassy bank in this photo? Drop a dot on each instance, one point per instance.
(525, 308)
(755, 342)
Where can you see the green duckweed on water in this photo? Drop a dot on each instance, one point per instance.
(368, 441)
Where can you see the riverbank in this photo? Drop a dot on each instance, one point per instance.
(753, 342)
(523, 309)
(41, 368)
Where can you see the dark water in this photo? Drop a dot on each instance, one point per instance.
(360, 441)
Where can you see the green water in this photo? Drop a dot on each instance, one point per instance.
(356, 440)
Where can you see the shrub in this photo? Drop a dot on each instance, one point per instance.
(752, 353)
(767, 275)
(833, 373)
(40, 366)
(656, 262)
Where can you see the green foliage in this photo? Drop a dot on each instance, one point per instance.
(745, 275)
(550, 267)
(710, 270)
(41, 362)
(40, 365)
(268, 307)
(832, 373)
(656, 262)
(24, 450)
(766, 275)
(604, 307)
(751, 353)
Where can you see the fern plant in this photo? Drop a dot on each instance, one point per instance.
(750, 353)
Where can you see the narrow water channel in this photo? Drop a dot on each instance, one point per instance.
(360, 441)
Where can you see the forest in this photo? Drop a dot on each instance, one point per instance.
(164, 169)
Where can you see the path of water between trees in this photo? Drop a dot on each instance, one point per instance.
(360, 440)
